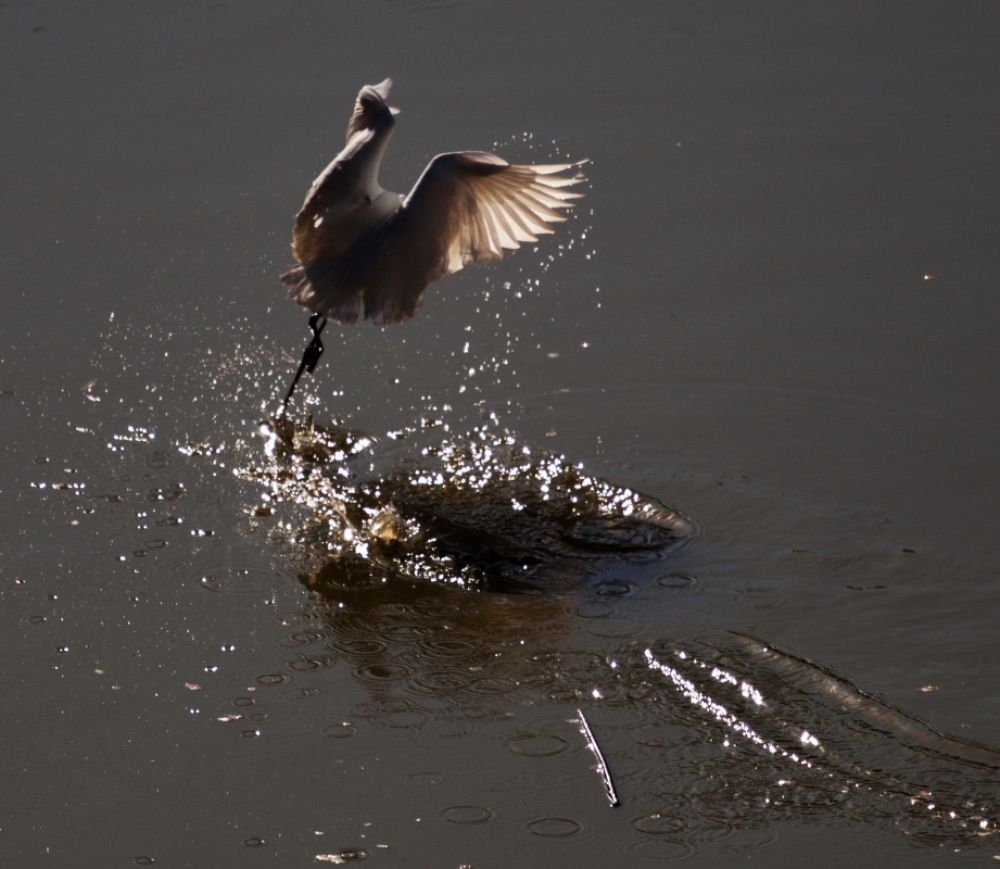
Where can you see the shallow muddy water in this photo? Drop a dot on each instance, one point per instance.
(715, 464)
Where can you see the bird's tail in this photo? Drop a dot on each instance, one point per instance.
(306, 284)
(299, 286)
(294, 279)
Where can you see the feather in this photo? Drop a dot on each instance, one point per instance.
(364, 249)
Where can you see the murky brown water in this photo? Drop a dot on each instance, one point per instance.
(716, 464)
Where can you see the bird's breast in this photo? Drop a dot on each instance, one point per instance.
(336, 230)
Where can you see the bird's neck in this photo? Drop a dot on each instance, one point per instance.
(363, 154)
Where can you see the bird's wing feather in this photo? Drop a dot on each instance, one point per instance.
(467, 207)
(332, 186)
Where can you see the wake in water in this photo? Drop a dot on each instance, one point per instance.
(705, 737)
(836, 747)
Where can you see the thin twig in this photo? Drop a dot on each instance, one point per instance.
(602, 764)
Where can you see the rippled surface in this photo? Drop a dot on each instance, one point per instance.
(715, 464)
(710, 737)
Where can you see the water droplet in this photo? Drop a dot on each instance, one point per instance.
(360, 646)
(448, 648)
(467, 814)
(537, 744)
(554, 828)
(348, 855)
(675, 580)
(614, 587)
(243, 580)
(300, 693)
(660, 825)
(305, 663)
(382, 672)
(423, 778)
(660, 850)
(302, 638)
(440, 683)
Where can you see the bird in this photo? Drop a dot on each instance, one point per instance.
(363, 250)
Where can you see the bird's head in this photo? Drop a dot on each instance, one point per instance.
(371, 109)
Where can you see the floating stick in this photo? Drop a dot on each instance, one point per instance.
(602, 764)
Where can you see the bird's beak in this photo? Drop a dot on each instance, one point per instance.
(394, 110)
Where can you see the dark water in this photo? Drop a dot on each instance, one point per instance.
(716, 464)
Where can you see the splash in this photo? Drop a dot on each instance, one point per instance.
(482, 512)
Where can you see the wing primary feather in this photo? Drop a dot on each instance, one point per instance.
(514, 228)
(546, 197)
(553, 168)
(482, 238)
(514, 216)
(534, 224)
(538, 209)
(504, 234)
(557, 181)
(557, 196)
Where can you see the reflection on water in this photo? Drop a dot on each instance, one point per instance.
(708, 740)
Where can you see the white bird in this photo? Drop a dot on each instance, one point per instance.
(359, 245)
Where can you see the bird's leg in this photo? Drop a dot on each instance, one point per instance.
(315, 349)
(311, 357)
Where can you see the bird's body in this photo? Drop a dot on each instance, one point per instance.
(364, 249)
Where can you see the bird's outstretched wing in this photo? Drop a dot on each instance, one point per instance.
(465, 208)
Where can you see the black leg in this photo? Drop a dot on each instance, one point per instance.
(311, 357)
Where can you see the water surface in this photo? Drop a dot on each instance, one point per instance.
(760, 357)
